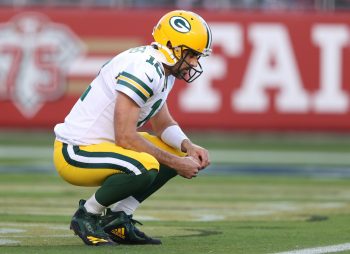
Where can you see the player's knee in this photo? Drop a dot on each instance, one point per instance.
(150, 162)
(147, 178)
(151, 176)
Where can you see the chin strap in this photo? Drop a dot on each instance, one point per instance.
(169, 58)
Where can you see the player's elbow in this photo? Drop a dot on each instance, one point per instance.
(124, 139)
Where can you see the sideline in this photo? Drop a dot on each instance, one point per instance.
(320, 250)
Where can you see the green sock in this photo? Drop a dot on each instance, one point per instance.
(120, 186)
(165, 174)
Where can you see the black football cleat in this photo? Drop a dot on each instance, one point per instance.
(121, 228)
(86, 226)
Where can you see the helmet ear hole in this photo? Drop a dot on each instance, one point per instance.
(169, 45)
(178, 52)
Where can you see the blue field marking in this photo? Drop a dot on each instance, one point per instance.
(218, 169)
(233, 162)
(42, 168)
(280, 170)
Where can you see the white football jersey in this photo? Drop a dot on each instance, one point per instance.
(139, 74)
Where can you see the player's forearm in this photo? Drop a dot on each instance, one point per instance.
(134, 141)
(161, 121)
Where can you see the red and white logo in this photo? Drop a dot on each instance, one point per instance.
(35, 55)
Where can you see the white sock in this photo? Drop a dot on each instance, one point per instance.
(92, 206)
(128, 205)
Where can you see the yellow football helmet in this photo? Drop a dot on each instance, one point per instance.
(184, 30)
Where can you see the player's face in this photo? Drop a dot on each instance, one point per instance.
(182, 69)
(190, 61)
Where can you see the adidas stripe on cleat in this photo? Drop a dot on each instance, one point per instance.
(119, 232)
(121, 228)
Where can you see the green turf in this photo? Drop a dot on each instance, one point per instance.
(209, 214)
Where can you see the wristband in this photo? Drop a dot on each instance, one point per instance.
(173, 136)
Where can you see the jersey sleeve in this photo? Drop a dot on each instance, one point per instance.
(138, 82)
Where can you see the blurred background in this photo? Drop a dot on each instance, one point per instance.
(272, 107)
(328, 5)
(274, 92)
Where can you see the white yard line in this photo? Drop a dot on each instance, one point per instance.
(217, 156)
(7, 242)
(320, 250)
(41, 236)
(12, 152)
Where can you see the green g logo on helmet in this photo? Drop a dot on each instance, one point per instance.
(180, 24)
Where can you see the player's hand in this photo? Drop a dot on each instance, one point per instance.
(197, 152)
(187, 167)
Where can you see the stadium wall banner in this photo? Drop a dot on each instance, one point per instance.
(268, 71)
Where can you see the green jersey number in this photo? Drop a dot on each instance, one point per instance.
(156, 65)
(152, 61)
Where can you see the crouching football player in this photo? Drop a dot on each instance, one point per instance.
(99, 144)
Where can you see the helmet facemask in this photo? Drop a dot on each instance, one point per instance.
(181, 53)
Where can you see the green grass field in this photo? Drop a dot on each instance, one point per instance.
(213, 213)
